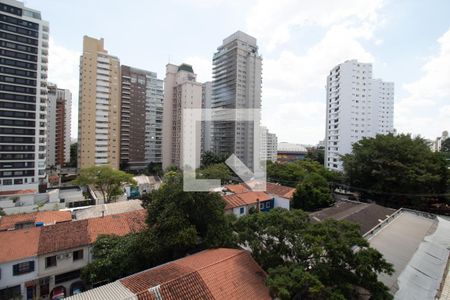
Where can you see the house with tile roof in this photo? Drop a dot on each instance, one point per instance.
(240, 204)
(55, 254)
(240, 197)
(210, 274)
(39, 218)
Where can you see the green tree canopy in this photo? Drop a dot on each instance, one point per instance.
(327, 260)
(316, 154)
(107, 180)
(291, 173)
(215, 171)
(312, 193)
(211, 158)
(182, 221)
(394, 168)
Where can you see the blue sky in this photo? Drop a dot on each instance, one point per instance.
(408, 42)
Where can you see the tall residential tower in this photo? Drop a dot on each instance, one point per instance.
(141, 118)
(358, 106)
(58, 125)
(237, 80)
(181, 90)
(23, 97)
(99, 106)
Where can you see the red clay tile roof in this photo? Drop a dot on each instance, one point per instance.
(237, 188)
(236, 200)
(74, 234)
(17, 192)
(47, 217)
(210, 274)
(18, 244)
(280, 190)
(118, 224)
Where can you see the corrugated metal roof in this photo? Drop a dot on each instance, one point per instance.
(110, 291)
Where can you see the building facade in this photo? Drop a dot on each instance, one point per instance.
(288, 152)
(181, 90)
(58, 125)
(23, 96)
(269, 145)
(99, 106)
(358, 106)
(436, 145)
(206, 126)
(141, 118)
(237, 80)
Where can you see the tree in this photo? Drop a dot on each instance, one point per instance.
(154, 168)
(312, 193)
(327, 260)
(445, 146)
(210, 158)
(2, 212)
(119, 256)
(106, 179)
(215, 171)
(397, 170)
(73, 155)
(184, 221)
(316, 154)
(291, 173)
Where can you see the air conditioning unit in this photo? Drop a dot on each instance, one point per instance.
(60, 256)
(68, 255)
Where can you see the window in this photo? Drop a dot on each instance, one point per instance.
(241, 210)
(77, 255)
(261, 206)
(267, 204)
(23, 268)
(50, 261)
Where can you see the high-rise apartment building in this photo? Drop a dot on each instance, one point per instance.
(206, 126)
(99, 106)
(358, 106)
(237, 79)
(141, 118)
(181, 90)
(23, 96)
(58, 125)
(268, 144)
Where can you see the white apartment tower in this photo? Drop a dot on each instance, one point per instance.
(268, 144)
(23, 97)
(358, 106)
(237, 80)
(181, 90)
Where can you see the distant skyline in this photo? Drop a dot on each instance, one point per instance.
(408, 43)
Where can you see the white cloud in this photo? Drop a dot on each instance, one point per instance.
(63, 71)
(272, 21)
(426, 110)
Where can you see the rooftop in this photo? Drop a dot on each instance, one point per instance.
(280, 190)
(47, 217)
(210, 274)
(417, 245)
(18, 192)
(108, 209)
(366, 215)
(247, 198)
(289, 147)
(18, 244)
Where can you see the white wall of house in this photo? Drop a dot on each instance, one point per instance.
(7, 278)
(281, 202)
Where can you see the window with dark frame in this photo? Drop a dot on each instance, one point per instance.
(23, 268)
(50, 261)
(77, 255)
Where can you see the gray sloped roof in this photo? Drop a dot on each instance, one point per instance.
(111, 291)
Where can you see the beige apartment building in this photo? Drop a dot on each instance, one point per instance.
(181, 90)
(99, 106)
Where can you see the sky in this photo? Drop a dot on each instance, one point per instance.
(407, 41)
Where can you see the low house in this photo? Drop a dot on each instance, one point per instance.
(240, 204)
(211, 274)
(282, 194)
(49, 258)
(40, 218)
(18, 262)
